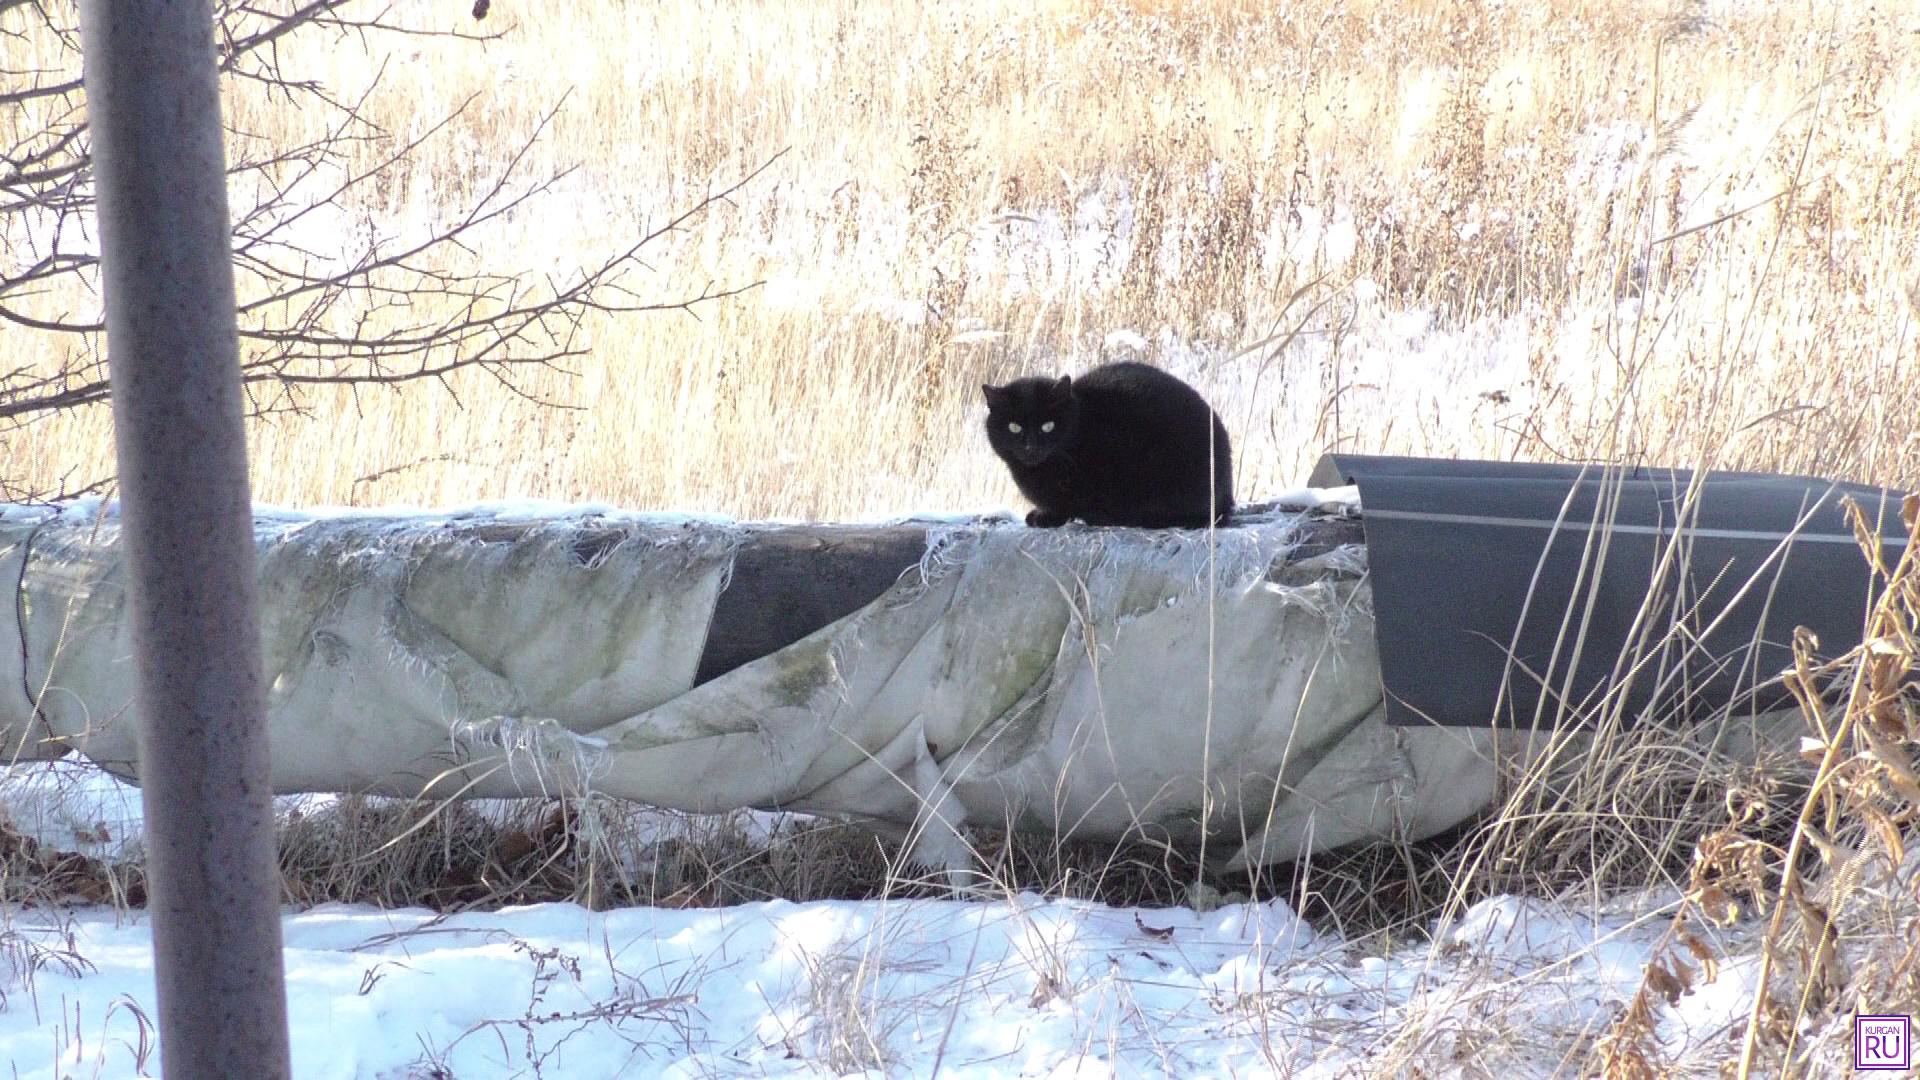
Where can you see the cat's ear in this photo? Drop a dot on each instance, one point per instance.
(992, 393)
(1065, 386)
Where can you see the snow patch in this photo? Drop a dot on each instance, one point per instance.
(1018, 985)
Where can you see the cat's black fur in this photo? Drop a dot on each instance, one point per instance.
(1127, 446)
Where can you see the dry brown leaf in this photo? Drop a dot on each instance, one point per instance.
(1886, 832)
(1716, 905)
(1157, 933)
(1663, 981)
(1709, 964)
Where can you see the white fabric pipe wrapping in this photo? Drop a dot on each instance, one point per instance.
(1089, 680)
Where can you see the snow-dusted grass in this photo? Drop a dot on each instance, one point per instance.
(1006, 983)
(1603, 229)
(1012, 986)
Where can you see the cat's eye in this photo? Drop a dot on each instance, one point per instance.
(1015, 428)
(1048, 426)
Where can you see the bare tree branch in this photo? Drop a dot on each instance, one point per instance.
(328, 298)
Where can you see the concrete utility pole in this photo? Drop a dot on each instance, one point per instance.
(153, 100)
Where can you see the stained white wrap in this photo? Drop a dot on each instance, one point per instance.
(1094, 681)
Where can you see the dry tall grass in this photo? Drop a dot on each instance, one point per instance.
(1610, 228)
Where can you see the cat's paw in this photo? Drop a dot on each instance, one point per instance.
(1045, 519)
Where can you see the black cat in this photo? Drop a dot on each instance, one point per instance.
(1124, 444)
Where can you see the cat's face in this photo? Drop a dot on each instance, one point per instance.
(1031, 420)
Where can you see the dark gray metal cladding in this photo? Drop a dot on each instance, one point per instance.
(788, 582)
(1473, 560)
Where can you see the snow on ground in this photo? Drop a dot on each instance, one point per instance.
(1015, 985)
